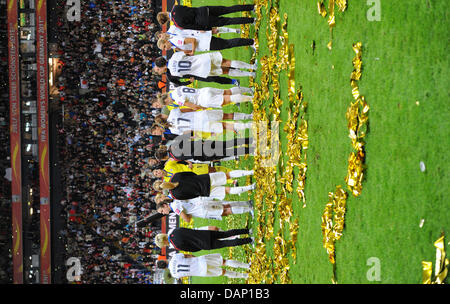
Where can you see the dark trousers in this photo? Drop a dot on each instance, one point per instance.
(216, 12)
(222, 44)
(216, 237)
(198, 149)
(227, 148)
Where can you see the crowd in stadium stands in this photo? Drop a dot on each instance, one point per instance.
(107, 88)
(5, 185)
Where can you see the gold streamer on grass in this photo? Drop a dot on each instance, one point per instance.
(333, 220)
(342, 6)
(265, 268)
(357, 118)
(441, 264)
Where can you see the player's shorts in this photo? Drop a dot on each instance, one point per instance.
(218, 179)
(214, 264)
(208, 121)
(210, 210)
(216, 63)
(210, 97)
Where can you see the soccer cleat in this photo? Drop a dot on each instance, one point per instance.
(250, 203)
(255, 65)
(236, 82)
(253, 46)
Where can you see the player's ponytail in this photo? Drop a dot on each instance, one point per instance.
(161, 186)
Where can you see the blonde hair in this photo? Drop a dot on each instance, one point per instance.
(159, 196)
(161, 239)
(162, 97)
(161, 42)
(160, 185)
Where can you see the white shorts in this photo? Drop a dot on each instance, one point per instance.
(216, 63)
(210, 210)
(210, 97)
(214, 264)
(208, 121)
(218, 179)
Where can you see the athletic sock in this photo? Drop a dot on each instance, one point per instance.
(239, 73)
(240, 173)
(223, 29)
(241, 65)
(235, 275)
(240, 209)
(239, 190)
(238, 98)
(236, 264)
(239, 126)
(242, 116)
(241, 90)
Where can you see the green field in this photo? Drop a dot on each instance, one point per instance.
(405, 82)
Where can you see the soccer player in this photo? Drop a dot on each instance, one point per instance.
(201, 99)
(195, 240)
(203, 208)
(209, 265)
(183, 121)
(201, 42)
(173, 166)
(202, 65)
(204, 18)
(188, 185)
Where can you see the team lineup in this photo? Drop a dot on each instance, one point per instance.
(188, 185)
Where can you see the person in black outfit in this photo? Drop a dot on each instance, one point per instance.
(204, 18)
(195, 240)
(183, 148)
(187, 185)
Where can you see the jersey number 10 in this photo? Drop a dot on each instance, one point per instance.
(184, 66)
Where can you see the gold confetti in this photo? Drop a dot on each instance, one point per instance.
(321, 9)
(342, 6)
(441, 265)
(333, 219)
(357, 118)
(270, 200)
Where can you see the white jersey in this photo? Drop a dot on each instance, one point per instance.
(188, 206)
(198, 207)
(180, 266)
(181, 64)
(173, 30)
(178, 42)
(202, 121)
(180, 122)
(203, 41)
(182, 94)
